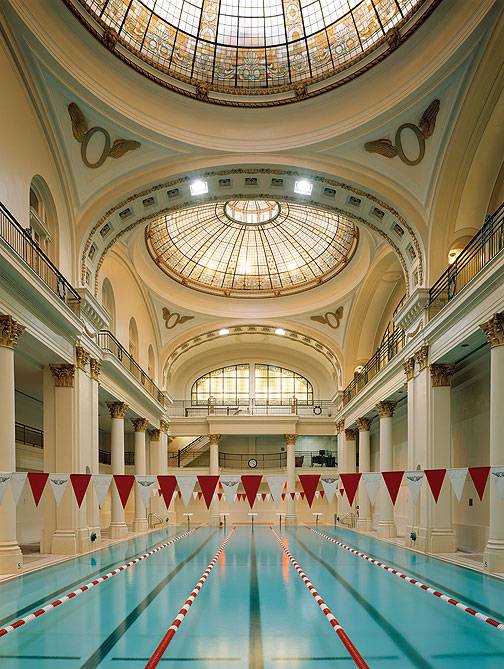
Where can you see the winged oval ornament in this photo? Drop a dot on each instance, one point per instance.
(83, 134)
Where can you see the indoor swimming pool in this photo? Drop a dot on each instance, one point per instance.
(253, 610)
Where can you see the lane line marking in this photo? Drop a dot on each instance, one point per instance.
(75, 593)
(177, 621)
(352, 650)
(445, 598)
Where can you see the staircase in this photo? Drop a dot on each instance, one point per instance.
(189, 453)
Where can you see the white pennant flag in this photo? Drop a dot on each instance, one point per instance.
(330, 485)
(497, 476)
(101, 484)
(145, 484)
(276, 485)
(18, 480)
(58, 483)
(268, 497)
(414, 480)
(298, 495)
(186, 486)
(194, 495)
(5, 477)
(372, 481)
(229, 485)
(317, 494)
(457, 479)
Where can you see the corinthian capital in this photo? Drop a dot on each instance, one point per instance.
(95, 369)
(117, 409)
(385, 409)
(350, 435)
(163, 425)
(140, 424)
(422, 357)
(494, 329)
(290, 439)
(10, 331)
(363, 424)
(63, 375)
(82, 357)
(441, 375)
(409, 368)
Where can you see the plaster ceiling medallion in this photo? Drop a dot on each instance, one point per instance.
(251, 52)
(251, 248)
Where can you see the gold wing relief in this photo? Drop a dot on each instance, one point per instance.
(330, 318)
(122, 146)
(428, 121)
(79, 123)
(382, 146)
(172, 318)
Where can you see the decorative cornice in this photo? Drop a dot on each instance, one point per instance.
(412, 311)
(214, 438)
(409, 368)
(290, 439)
(441, 375)
(350, 435)
(92, 311)
(363, 424)
(95, 369)
(422, 357)
(385, 409)
(155, 434)
(10, 331)
(117, 409)
(82, 357)
(494, 329)
(63, 375)
(164, 426)
(140, 424)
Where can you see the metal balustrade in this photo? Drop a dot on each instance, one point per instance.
(105, 457)
(276, 460)
(110, 344)
(31, 436)
(20, 241)
(185, 408)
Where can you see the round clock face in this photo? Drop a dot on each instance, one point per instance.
(252, 463)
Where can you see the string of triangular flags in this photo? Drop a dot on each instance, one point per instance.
(226, 486)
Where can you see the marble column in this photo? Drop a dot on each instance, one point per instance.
(340, 502)
(118, 527)
(413, 513)
(290, 446)
(386, 524)
(92, 503)
(214, 471)
(350, 459)
(493, 556)
(155, 467)
(140, 425)
(364, 425)
(11, 558)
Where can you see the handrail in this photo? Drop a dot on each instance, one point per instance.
(105, 457)
(276, 460)
(187, 408)
(20, 241)
(109, 343)
(187, 451)
(31, 436)
(482, 248)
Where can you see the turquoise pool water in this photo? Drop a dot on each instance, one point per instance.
(253, 611)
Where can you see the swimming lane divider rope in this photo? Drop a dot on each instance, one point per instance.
(449, 600)
(345, 639)
(75, 593)
(177, 621)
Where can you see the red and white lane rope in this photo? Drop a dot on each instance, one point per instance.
(352, 650)
(449, 600)
(88, 586)
(177, 621)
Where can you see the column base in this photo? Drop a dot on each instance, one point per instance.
(46, 537)
(118, 530)
(387, 529)
(364, 524)
(291, 519)
(436, 541)
(493, 556)
(11, 558)
(70, 542)
(140, 525)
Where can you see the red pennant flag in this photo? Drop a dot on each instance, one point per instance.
(251, 483)
(179, 494)
(293, 495)
(200, 495)
(263, 495)
(37, 482)
(309, 483)
(393, 483)
(341, 491)
(302, 494)
(322, 493)
(80, 484)
(479, 477)
(435, 477)
(167, 485)
(124, 483)
(283, 497)
(350, 484)
(208, 485)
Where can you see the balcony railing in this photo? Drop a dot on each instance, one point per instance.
(19, 240)
(105, 457)
(185, 408)
(389, 348)
(31, 436)
(109, 343)
(483, 247)
(276, 460)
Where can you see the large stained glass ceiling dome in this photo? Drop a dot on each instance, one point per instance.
(251, 52)
(251, 248)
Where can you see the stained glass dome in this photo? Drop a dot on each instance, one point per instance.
(247, 48)
(251, 248)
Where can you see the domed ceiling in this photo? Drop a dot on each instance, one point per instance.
(251, 52)
(251, 248)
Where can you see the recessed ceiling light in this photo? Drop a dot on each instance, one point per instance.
(198, 187)
(280, 332)
(303, 187)
(223, 332)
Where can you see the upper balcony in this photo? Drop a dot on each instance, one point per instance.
(293, 408)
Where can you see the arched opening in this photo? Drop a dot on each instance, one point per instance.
(151, 363)
(133, 339)
(43, 219)
(108, 302)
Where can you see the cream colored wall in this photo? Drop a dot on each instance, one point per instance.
(25, 153)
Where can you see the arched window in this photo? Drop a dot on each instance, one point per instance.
(266, 385)
(133, 339)
(43, 220)
(151, 364)
(108, 302)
